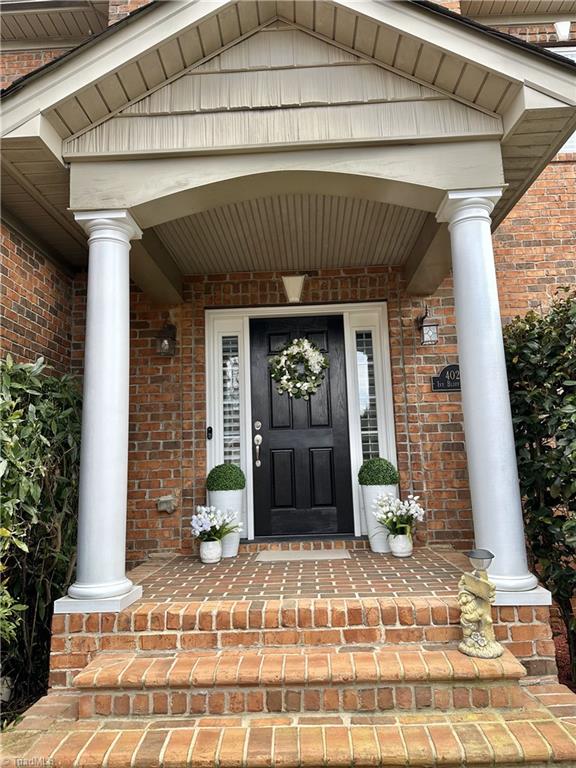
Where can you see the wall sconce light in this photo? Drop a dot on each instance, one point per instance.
(428, 329)
(166, 342)
(293, 285)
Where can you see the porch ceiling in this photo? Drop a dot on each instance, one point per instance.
(292, 232)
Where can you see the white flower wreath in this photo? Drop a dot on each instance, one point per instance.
(299, 369)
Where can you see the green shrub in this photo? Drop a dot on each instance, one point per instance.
(40, 446)
(225, 477)
(378, 472)
(541, 360)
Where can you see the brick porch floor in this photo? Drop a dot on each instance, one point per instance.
(430, 572)
(297, 664)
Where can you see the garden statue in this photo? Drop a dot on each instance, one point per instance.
(475, 597)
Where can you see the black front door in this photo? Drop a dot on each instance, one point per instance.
(303, 484)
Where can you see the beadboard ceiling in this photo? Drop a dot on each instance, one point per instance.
(296, 231)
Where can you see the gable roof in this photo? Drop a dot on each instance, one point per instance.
(523, 95)
(281, 87)
(433, 7)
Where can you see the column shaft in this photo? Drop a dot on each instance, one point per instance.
(491, 455)
(104, 450)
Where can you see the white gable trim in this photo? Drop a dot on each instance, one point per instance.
(164, 22)
(93, 62)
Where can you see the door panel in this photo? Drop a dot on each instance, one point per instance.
(303, 485)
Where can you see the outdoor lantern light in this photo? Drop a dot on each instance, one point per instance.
(167, 341)
(293, 285)
(428, 329)
(480, 559)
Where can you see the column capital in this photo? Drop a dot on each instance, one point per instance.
(463, 204)
(108, 225)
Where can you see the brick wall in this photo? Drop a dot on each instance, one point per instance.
(535, 245)
(168, 399)
(16, 64)
(36, 304)
(541, 34)
(118, 9)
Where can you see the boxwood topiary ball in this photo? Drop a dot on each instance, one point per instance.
(225, 477)
(378, 472)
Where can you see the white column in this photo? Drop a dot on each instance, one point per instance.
(492, 469)
(101, 582)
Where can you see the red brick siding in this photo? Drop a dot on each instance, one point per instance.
(168, 399)
(16, 64)
(118, 9)
(536, 244)
(541, 34)
(36, 304)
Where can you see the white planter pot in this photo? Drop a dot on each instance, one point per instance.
(377, 533)
(210, 551)
(230, 544)
(401, 545)
(227, 501)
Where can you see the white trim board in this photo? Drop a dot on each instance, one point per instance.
(370, 316)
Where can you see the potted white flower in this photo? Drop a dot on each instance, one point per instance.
(225, 485)
(210, 526)
(399, 518)
(377, 477)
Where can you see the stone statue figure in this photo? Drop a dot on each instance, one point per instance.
(475, 597)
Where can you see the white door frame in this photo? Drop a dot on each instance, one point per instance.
(368, 316)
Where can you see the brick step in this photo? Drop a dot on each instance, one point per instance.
(532, 737)
(228, 623)
(309, 680)
(151, 627)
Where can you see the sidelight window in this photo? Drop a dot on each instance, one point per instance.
(367, 394)
(231, 400)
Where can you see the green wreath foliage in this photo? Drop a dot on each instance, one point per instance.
(299, 369)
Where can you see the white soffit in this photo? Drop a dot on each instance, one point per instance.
(49, 24)
(507, 8)
(292, 232)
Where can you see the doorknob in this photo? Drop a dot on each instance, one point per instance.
(258, 443)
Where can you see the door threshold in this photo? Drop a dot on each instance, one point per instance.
(305, 537)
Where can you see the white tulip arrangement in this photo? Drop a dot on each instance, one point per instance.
(400, 517)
